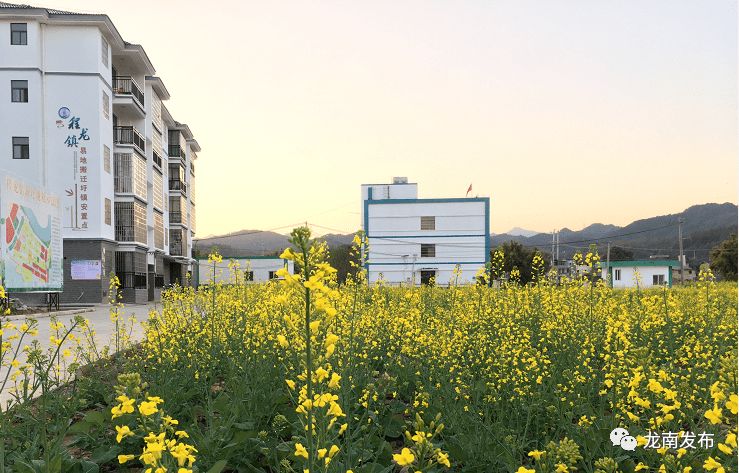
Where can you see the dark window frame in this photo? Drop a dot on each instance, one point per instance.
(22, 95)
(428, 223)
(19, 37)
(21, 150)
(427, 276)
(428, 250)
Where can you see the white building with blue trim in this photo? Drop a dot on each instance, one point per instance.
(412, 240)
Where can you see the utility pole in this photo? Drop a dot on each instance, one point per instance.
(682, 258)
(608, 265)
(553, 247)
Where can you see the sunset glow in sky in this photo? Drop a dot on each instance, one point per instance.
(563, 113)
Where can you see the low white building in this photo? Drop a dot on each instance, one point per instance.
(412, 240)
(236, 270)
(623, 274)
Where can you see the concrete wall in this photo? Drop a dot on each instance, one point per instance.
(95, 291)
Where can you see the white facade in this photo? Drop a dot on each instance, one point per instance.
(411, 240)
(90, 109)
(623, 274)
(232, 270)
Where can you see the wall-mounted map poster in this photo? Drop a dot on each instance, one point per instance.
(30, 225)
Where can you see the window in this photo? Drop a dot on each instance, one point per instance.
(428, 223)
(106, 106)
(104, 45)
(428, 251)
(19, 90)
(616, 274)
(20, 148)
(658, 279)
(272, 274)
(106, 159)
(427, 277)
(248, 275)
(18, 33)
(107, 211)
(130, 222)
(158, 231)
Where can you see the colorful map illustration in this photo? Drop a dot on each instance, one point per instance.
(27, 244)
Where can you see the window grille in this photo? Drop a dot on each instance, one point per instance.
(106, 106)
(106, 159)
(130, 222)
(158, 196)
(130, 174)
(428, 223)
(104, 47)
(130, 268)
(158, 231)
(428, 251)
(107, 211)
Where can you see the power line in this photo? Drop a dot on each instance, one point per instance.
(618, 236)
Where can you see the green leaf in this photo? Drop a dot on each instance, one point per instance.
(89, 467)
(104, 454)
(96, 417)
(221, 404)
(81, 427)
(55, 465)
(218, 467)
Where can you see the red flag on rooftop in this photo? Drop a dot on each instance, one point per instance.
(469, 190)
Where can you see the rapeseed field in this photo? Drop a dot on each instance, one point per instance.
(306, 374)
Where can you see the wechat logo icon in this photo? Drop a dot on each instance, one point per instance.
(620, 436)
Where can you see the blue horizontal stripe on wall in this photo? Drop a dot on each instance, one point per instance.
(425, 263)
(390, 237)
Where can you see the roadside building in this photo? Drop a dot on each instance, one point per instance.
(84, 117)
(634, 274)
(413, 240)
(251, 269)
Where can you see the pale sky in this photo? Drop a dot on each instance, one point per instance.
(563, 113)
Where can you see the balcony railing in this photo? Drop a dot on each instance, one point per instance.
(129, 135)
(175, 217)
(123, 85)
(177, 185)
(175, 248)
(157, 160)
(176, 151)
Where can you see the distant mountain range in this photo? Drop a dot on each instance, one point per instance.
(704, 226)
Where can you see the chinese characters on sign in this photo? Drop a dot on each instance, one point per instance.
(678, 440)
(78, 210)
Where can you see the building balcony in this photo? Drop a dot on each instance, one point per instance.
(175, 249)
(177, 151)
(128, 99)
(176, 217)
(129, 135)
(124, 85)
(177, 185)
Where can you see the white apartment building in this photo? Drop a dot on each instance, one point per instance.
(83, 115)
(412, 240)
